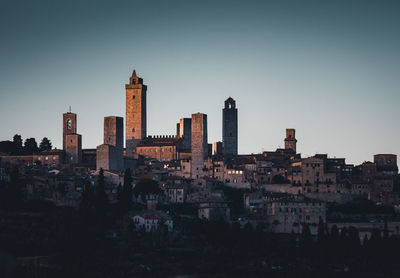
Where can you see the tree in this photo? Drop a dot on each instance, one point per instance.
(305, 243)
(45, 144)
(321, 231)
(101, 199)
(87, 200)
(30, 146)
(17, 140)
(125, 201)
(14, 194)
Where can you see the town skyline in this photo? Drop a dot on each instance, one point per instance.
(58, 145)
(334, 82)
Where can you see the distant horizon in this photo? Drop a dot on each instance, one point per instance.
(328, 69)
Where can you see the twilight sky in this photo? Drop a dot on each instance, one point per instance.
(330, 69)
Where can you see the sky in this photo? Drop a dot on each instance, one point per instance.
(329, 69)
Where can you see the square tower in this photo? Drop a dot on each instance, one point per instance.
(199, 144)
(218, 148)
(185, 131)
(69, 126)
(230, 128)
(110, 154)
(135, 113)
(73, 148)
(290, 140)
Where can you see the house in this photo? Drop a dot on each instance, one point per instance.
(150, 220)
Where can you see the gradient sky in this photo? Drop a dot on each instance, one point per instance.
(330, 69)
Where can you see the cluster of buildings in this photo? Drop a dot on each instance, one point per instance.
(284, 190)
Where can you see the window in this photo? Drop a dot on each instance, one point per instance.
(171, 150)
(133, 130)
(133, 97)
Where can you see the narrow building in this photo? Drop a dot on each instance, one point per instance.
(230, 127)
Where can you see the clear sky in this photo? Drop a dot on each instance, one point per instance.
(330, 69)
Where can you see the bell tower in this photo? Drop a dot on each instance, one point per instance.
(72, 142)
(69, 125)
(136, 123)
(290, 140)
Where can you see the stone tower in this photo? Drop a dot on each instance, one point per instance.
(135, 113)
(230, 128)
(199, 144)
(72, 142)
(185, 131)
(110, 154)
(290, 140)
(69, 126)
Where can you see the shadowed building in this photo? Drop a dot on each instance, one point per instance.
(218, 148)
(72, 142)
(290, 140)
(230, 127)
(135, 113)
(110, 154)
(199, 144)
(185, 132)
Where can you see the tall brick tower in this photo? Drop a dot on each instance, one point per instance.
(72, 142)
(290, 140)
(199, 144)
(230, 128)
(135, 113)
(69, 126)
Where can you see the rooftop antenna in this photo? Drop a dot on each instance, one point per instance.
(69, 109)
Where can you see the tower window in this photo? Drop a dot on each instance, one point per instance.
(133, 130)
(133, 97)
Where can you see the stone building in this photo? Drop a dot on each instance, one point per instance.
(230, 127)
(185, 132)
(290, 214)
(214, 209)
(52, 158)
(386, 164)
(149, 221)
(109, 155)
(310, 175)
(199, 144)
(69, 126)
(72, 142)
(135, 113)
(162, 148)
(290, 140)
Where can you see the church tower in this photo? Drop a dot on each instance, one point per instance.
(72, 142)
(290, 140)
(230, 128)
(69, 126)
(135, 113)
